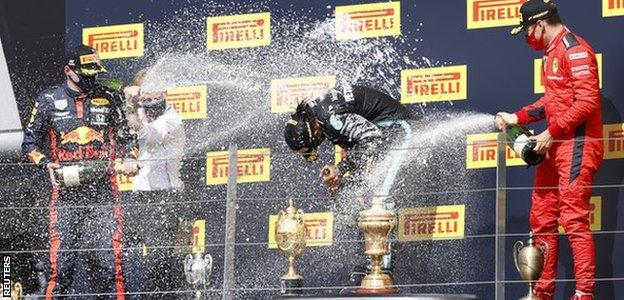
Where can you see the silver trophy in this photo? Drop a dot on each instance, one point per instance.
(197, 269)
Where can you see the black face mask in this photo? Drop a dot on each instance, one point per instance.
(155, 108)
(85, 83)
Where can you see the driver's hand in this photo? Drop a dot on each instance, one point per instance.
(128, 167)
(503, 119)
(51, 167)
(332, 178)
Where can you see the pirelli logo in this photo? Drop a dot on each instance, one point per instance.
(612, 8)
(434, 84)
(254, 165)
(368, 20)
(538, 69)
(319, 229)
(613, 140)
(125, 183)
(238, 31)
(432, 223)
(188, 101)
(199, 237)
(115, 41)
(595, 214)
(339, 154)
(481, 152)
(493, 13)
(287, 93)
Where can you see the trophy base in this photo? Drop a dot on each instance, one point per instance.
(377, 284)
(291, 286)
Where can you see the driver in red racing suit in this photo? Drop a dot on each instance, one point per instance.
(83, 122)
(572, 143)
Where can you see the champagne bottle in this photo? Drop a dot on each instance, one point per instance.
(518, 138)
(86, 172)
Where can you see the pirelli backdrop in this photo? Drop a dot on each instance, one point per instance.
(445, 240)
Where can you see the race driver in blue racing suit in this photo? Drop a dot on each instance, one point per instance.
(83, 122)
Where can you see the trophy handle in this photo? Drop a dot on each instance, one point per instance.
(188, 263)
(516, 249)
(208, 260)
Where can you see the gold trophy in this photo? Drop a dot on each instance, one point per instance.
(290, 234)
(16, 291)
(529, 261)
(376, 224)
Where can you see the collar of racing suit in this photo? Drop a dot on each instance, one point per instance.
(553, 44)
(71, 92)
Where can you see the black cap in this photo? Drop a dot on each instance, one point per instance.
(533, 11)
(85, 60)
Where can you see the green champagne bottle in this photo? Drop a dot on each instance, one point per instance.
(518, 138)
(82, 173)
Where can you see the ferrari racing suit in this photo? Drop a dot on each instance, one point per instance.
(562, 187)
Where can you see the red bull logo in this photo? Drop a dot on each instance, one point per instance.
(432, 223)
(493, 13)
(82, 135)
(253, 165)
(115, 41)
(239, 31)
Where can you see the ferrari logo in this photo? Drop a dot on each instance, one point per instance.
(555, 65)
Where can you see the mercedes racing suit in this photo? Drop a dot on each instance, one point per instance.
(82, 128)
(358, 119)
(572, 108)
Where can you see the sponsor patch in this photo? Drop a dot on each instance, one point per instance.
(60, 104)
(88, 59)
(100, 101)
(555, 65)
(100, 109)
(575, 56)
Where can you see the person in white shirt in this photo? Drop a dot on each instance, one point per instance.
(161, 139)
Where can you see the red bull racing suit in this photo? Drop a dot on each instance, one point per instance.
(572, 108)
(82, 128)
